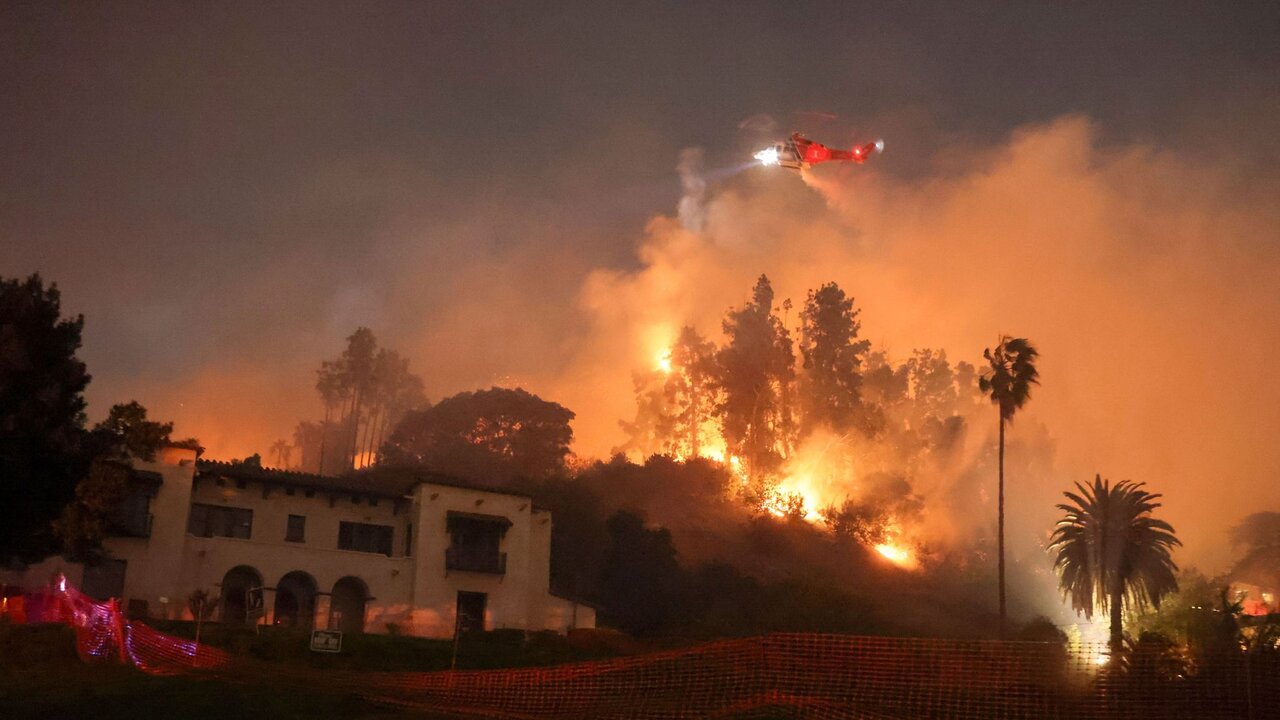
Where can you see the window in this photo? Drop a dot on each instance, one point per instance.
(475, 542)
(297, 529)
(219, 521)
(365, 537)
(408, 540)
(132, 516)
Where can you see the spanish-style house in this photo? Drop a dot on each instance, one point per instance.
(417, 553)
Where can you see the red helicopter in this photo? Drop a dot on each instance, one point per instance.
(800, 153)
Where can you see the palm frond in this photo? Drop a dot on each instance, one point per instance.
(1108, 541)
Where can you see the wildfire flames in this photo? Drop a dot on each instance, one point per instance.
(813, 481)
(897, 555)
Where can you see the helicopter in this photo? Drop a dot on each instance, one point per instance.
(800, 153)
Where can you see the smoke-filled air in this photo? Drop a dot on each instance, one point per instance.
(1144, 277)
(891, 359)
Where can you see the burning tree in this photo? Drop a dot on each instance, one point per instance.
(365, 392)
(831, 386)
(757, 371)
(676, 401)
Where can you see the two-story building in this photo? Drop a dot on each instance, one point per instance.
(371, 551)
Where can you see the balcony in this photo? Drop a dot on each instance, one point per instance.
(135, 526)
(465, 559)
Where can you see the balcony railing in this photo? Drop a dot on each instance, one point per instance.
(467, 560)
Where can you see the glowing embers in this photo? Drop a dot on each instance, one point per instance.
(662, 361)
(900, 556)
(767, 156)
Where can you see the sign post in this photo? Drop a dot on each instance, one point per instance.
(254, 607)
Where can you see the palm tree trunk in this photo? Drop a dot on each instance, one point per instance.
(377, 436)
(1000, 534)
(324, 434)
(369, 428)
(356, 402)
(1117, 629)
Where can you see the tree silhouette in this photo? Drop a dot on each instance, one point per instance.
(676, 400)
(126, 435)
(281, 451)
(1010, 373)
(365, 391)
(42, 405)
(1259, 536)
(1111, 554)
(491, 435)
(831, 385)
(641, 583)
(757, 370)
(133, 434)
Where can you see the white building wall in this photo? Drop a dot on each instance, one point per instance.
(412, 588)
(155, 565)
(436, 588)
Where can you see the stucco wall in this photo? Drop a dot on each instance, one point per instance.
(412, 588)
(436, 589)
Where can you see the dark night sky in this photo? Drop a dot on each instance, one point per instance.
(226, 190)
(159, 154)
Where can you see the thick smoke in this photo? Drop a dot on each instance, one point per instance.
(693, 189)
(1148, 279)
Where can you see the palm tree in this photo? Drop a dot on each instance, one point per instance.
(281, 451)
(1111, 554)
(1008, 379)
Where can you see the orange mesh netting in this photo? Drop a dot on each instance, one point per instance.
(783, 675)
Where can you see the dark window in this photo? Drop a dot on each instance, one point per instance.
(310, 493)
(297, 529)
(408, 539)
(132, 516)
(355, 499)
(242, 484)
(365, 537)
(289, 491)
(219, 521)
(474, 543)
(104, 579)
(373, 502)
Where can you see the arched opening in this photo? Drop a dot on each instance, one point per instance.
(236, 585)
(295, 600)
(347, 604)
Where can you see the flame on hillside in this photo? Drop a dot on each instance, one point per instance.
(816, 479)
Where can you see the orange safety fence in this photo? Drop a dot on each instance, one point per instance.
(782, 675)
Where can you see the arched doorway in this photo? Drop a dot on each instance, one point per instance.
(346, 605)
(295, 600)
(236, 585)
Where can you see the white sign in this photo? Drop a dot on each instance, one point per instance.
(329, 641)
(254, 607)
